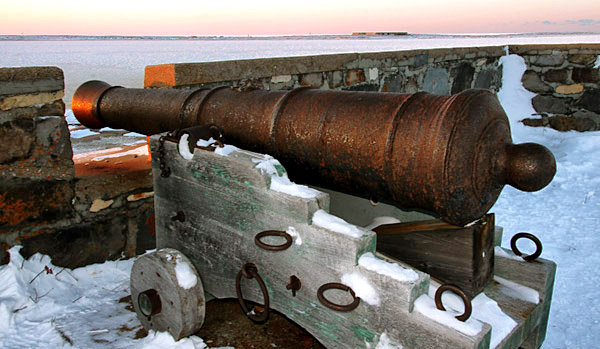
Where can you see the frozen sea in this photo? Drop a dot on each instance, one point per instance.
(122, 62)
(40, 309)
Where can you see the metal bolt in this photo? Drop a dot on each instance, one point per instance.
(149, 303)
(294, 285)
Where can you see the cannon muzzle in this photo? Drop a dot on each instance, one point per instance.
(450, 155)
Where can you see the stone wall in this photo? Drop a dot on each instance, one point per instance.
(562, 76)
(44, 204)
(566, 83)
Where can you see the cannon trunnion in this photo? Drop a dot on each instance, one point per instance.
(450, 155)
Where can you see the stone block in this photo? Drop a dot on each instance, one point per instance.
(437, 81)
(27, 80)
(335, 79)
(590, 100)
(585, 75)
(362, 87)
(50, 154)
(53, 108)
(17, 139)
(312, 80)
(29, 100)
(80, 244)
(420, 60)
(569, 89)
(556, 75)
(393, 83)
(549, 104)
(583, 59)
(463, 77)
(354, 76)
(488, 79)
(551, 60)
(566, 123)
(532, 81)
(24, 202)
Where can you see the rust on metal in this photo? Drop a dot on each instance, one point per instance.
(455, 289)
(149, 303)
(250, 271)
(284, 246)
(334, 306)
(450, 155)
(515, 249)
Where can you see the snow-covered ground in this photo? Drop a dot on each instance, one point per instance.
(46, 306)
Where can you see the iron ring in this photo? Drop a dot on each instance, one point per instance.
(331, 305)
(460, 293)
(538, 246)
(249, 271)
(286, 245)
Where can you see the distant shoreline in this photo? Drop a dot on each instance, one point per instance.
(353, 36)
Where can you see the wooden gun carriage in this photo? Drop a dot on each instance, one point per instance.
(231, 224)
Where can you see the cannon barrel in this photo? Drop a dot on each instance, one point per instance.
(450, 155)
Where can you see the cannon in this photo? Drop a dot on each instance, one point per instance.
(450, 155)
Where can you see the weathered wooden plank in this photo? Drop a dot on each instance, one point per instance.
(458, 255)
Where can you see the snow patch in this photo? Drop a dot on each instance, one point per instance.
(139, 151)
(86, 132)
(393, 270)
(134, 134)
(386, 343)
(295, 235)
(519, 291)
(325, 220)
(500, 252)
(597, 63)
(164, 340)
(280, 181)
(485, 310)
(184, 148)
(226, 150)
(515, 99)
(186, 277)
(362, 288)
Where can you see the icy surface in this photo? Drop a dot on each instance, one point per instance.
(393, 270)
(597, 63)
(499, 251)
(521, 292)
(362, 288)
(334, 223)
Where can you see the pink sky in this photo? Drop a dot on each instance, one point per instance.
(236, 17)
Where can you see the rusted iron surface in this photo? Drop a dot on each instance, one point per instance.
(450, 155)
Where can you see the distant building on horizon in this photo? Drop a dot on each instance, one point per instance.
(380, 33)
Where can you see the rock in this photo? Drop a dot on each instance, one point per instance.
(541, 122)
(489, 79)
(587, 75)
(565, 123)
(313, 80)
(556, 75)
(585, 117)
(549, 104)
(335, 79)
(16, 142)
(420, 60)
(354, 76)
(590, 100)
(463, 77)
(393, 83)
(437, 81)
(25, 80)
(547, 60)
(569, 89)
(531, 81)
(583, 59)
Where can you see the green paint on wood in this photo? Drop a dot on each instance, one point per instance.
(363, 334)
(200, 175)
(369, 246)
(327, 329)
(280, 170)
